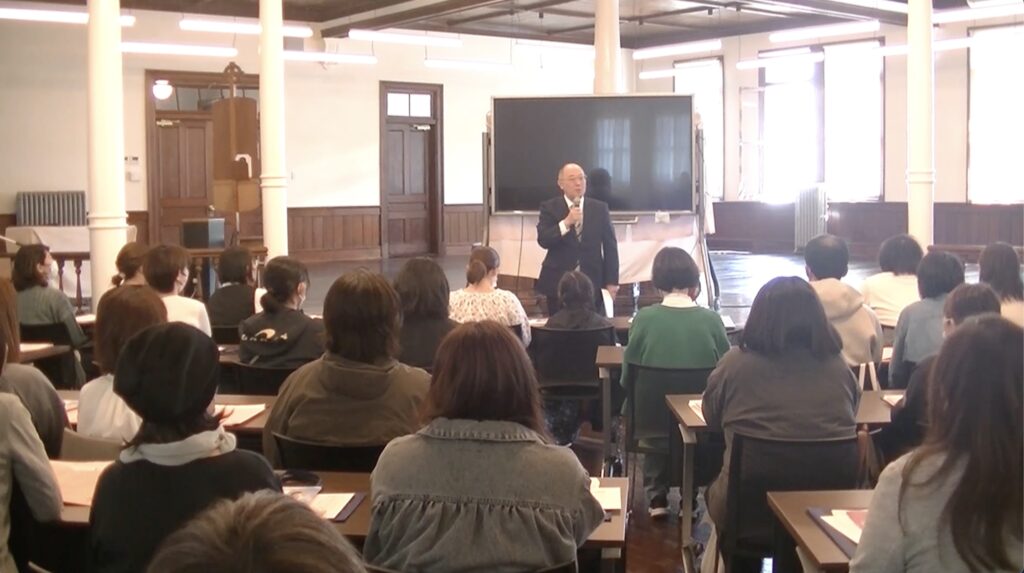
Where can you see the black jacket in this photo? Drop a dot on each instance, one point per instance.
(596, 253)
(284, 339)
(230, 305)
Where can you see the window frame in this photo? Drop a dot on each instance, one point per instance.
(721, 67)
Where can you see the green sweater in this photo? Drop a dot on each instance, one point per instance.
(668, 337)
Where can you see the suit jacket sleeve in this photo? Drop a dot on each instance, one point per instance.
(611, 252)
(548, 233)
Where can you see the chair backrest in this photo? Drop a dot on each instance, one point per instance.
(56, 333)
(300, 454)
(648, 413)
(79, 448)
(567, 356)
(260, 380)
(759, 465)
(226, 334)
(517, 330)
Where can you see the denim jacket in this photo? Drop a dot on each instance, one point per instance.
(467, 495)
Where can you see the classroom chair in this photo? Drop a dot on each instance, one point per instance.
(260, 380)
(78, 448)
(226, 334)
(314, 456)
(63, 370)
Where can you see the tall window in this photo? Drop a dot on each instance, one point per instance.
(853, 122)
(996, 116)
(791, 129)
(703, 80)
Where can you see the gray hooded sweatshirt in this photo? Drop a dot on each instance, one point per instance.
(856, 322)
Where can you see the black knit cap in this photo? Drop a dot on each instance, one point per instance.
(168, 372)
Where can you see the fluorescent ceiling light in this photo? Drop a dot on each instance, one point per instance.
(467, 65)
(395, 37)
(971, 14)
(950, 44)
(250, 28)
(678, 49)
(329, 57)
(55, 16)
(844, 29)
(178, 49)
(887, 5)
(764, 62)
(677, 69)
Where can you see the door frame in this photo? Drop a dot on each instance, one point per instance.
(435, 187)
(176, 78)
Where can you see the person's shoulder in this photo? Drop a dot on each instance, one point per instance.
(411, 377)
(597, 203)
(552, 203)
(247, 460)
(8, 404)
(25, 373)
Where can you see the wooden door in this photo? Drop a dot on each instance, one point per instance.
(407, 186)
(184, 178)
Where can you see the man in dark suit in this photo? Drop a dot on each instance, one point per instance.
(577, 234)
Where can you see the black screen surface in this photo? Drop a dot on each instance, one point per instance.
(636, 150)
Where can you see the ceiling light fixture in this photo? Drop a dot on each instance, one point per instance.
(676, 70)
(178, 49)
(55, 16)
(475, 65)
(972, 14)
(397, 37)
(248, 28)
(844, 29)
(329, 57)
(804, 56)
(162, 89)
(887, 5)
(678, 49)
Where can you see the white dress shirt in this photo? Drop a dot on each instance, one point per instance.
(187, 310)
(561, 224)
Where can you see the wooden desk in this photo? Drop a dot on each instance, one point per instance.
(608, 357)
(813, 543)
(622, 324)
(228, 354)
(29, 356)
(251, 428)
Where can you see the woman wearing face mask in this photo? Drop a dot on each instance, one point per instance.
(282, 336)
(38, 302)
(166, 270)
(482, 299)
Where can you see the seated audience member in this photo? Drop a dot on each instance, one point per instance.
(38, 302)
(129, 265)
(26, 382)
(527, 505)
(955, 503)
(890, 291)
(674, 334)
(786, 380)
(263, 531)
(483, 300)
(1000, 269)
(424, 292)
(282, 336)
(180, 462)
(121, 314)
(828, 258)
(576, 295)
(356, 394)
(166, 270)
(235, 299)
(908, 416)
(919, 330)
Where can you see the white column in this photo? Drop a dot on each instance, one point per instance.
(920, 122)
(107, 217)
(608, 76)
(273, 179)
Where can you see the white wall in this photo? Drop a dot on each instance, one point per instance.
(951, 97)
(331, 122)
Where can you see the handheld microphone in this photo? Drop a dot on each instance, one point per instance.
(576, 202)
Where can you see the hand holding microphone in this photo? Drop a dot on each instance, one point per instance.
(575, 214)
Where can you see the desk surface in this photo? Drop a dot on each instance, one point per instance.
(622, 324)
(610, 356)
(36, 353)
(254, 426)
(872, 410)
(791, 509)
(611, 533)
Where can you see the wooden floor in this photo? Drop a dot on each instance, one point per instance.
(652, 546)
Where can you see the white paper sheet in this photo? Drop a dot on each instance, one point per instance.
(329, 505)
(887, 354)
(85, 319)
(698, 408)
(33, 346)
(71, 407)
(238, 414)
(610, 498)
(892, 399)
(304, 493)
(844, 523)
(727, 321)
(77, 480)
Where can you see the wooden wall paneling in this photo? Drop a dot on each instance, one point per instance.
(753, 226)
(334, 233)
(866, 225)
(966, 224)
(463, 226)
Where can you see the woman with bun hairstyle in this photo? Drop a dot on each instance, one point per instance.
(483, 300)
(129, 265)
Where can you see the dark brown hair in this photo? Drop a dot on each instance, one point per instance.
(968, 300)
(121, 313)
(482, 260)
(282, 277)
(787, 315)
(482, 372)
(423, 289)
(975, 422)
(162, 265)
(827, 257)
(25, 270)
(235, 265)
(576, 290)
(264, 531)
(362, 317)
(674, 269)
(900, 255)
(999, 266)
(129, 261)
(9, 327)
(939, 273)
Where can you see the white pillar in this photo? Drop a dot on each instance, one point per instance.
(107, 217)
(920, 122)
(273, 179)
(608, 76)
